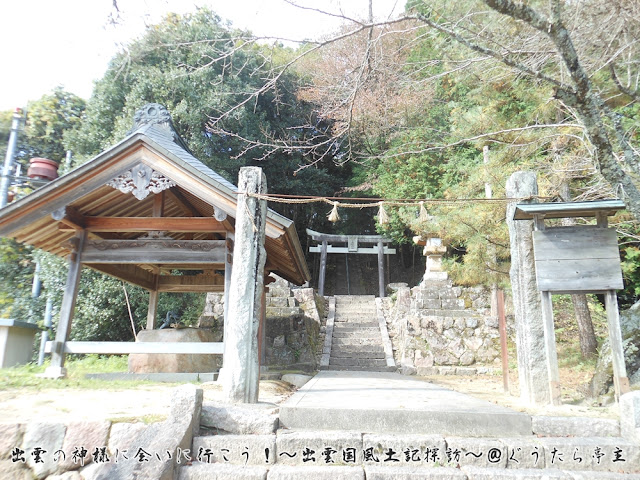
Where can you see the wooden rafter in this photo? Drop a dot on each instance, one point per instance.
(149, 224)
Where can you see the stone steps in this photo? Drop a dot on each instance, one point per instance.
(199, 471)
(415, 456)
(352, 368)
(356, 338)
(356, 327)
(343, 350)
(363, 361)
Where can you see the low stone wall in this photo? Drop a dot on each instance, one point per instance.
(441, 325)
(294, 331)
(175, 363)
(293, 338)
(103, 450)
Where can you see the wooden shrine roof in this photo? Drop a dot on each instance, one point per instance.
(526, 211)
(194, 203)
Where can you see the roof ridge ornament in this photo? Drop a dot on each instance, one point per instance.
(158, 115)
(141, 180)
(152, 114)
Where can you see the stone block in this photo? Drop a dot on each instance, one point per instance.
(284, 312)
(123, 435)
(10, 437)
(427, 371)
(479, 473)
(324, 448)
(574, 426)
(279, 291)
(587, 475)
(256, 450)
(157, 449)
(415, 473)
(479, 452)
(73, 475)
(83, 437)
(185, 413)
(452, 303)
(14, 471)
(289, 472)
(297, 380)
(41, 441)
(524, 453)
(430, 303)
(630, 415)
(278, 302)
(174, 363)
(249, 419)
(403, 450)
(199, 471)
(465, 371)
(592, 453)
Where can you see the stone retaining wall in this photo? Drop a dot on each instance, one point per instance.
(441, 325)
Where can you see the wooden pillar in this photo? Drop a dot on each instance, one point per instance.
(502, 326)
(381, 268)
(323, 268)
(620, 380)
(228, 270)
(153, 309)
(262, 328)
(57, 370)
(242, 372)
(550, 348)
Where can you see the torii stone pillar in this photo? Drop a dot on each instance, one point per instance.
(241, 378)
(530, 346)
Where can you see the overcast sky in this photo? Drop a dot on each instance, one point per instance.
(69, 42)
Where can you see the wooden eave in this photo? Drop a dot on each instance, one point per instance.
(106, 213)
(528, 211)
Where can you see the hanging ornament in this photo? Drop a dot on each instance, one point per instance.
(423, 216)
(383, 218)
(333, 215)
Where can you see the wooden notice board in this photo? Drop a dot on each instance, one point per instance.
(577, 259)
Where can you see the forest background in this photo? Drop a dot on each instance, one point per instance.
(395, 109)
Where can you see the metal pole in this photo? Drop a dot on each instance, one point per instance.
(48, 314)
(8, 160)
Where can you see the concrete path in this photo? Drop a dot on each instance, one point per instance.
(385, 402)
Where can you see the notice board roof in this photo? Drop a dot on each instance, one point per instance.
(527, 211)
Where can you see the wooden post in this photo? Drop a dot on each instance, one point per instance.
(550, 347)
(381, 268)
(262, 327)
(620, 380)
(153, 309)
(502, 326)
(57, 370)
(241, 380)
(323, 268)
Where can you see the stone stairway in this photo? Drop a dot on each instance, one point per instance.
(458, 446)
(356, 340)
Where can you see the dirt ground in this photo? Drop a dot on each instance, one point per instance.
(491, 389)
(148, 403)
(151, 402)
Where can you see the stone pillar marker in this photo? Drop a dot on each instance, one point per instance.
(530, 344)
(240, 382)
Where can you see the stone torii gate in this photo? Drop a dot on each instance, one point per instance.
(350, 244)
